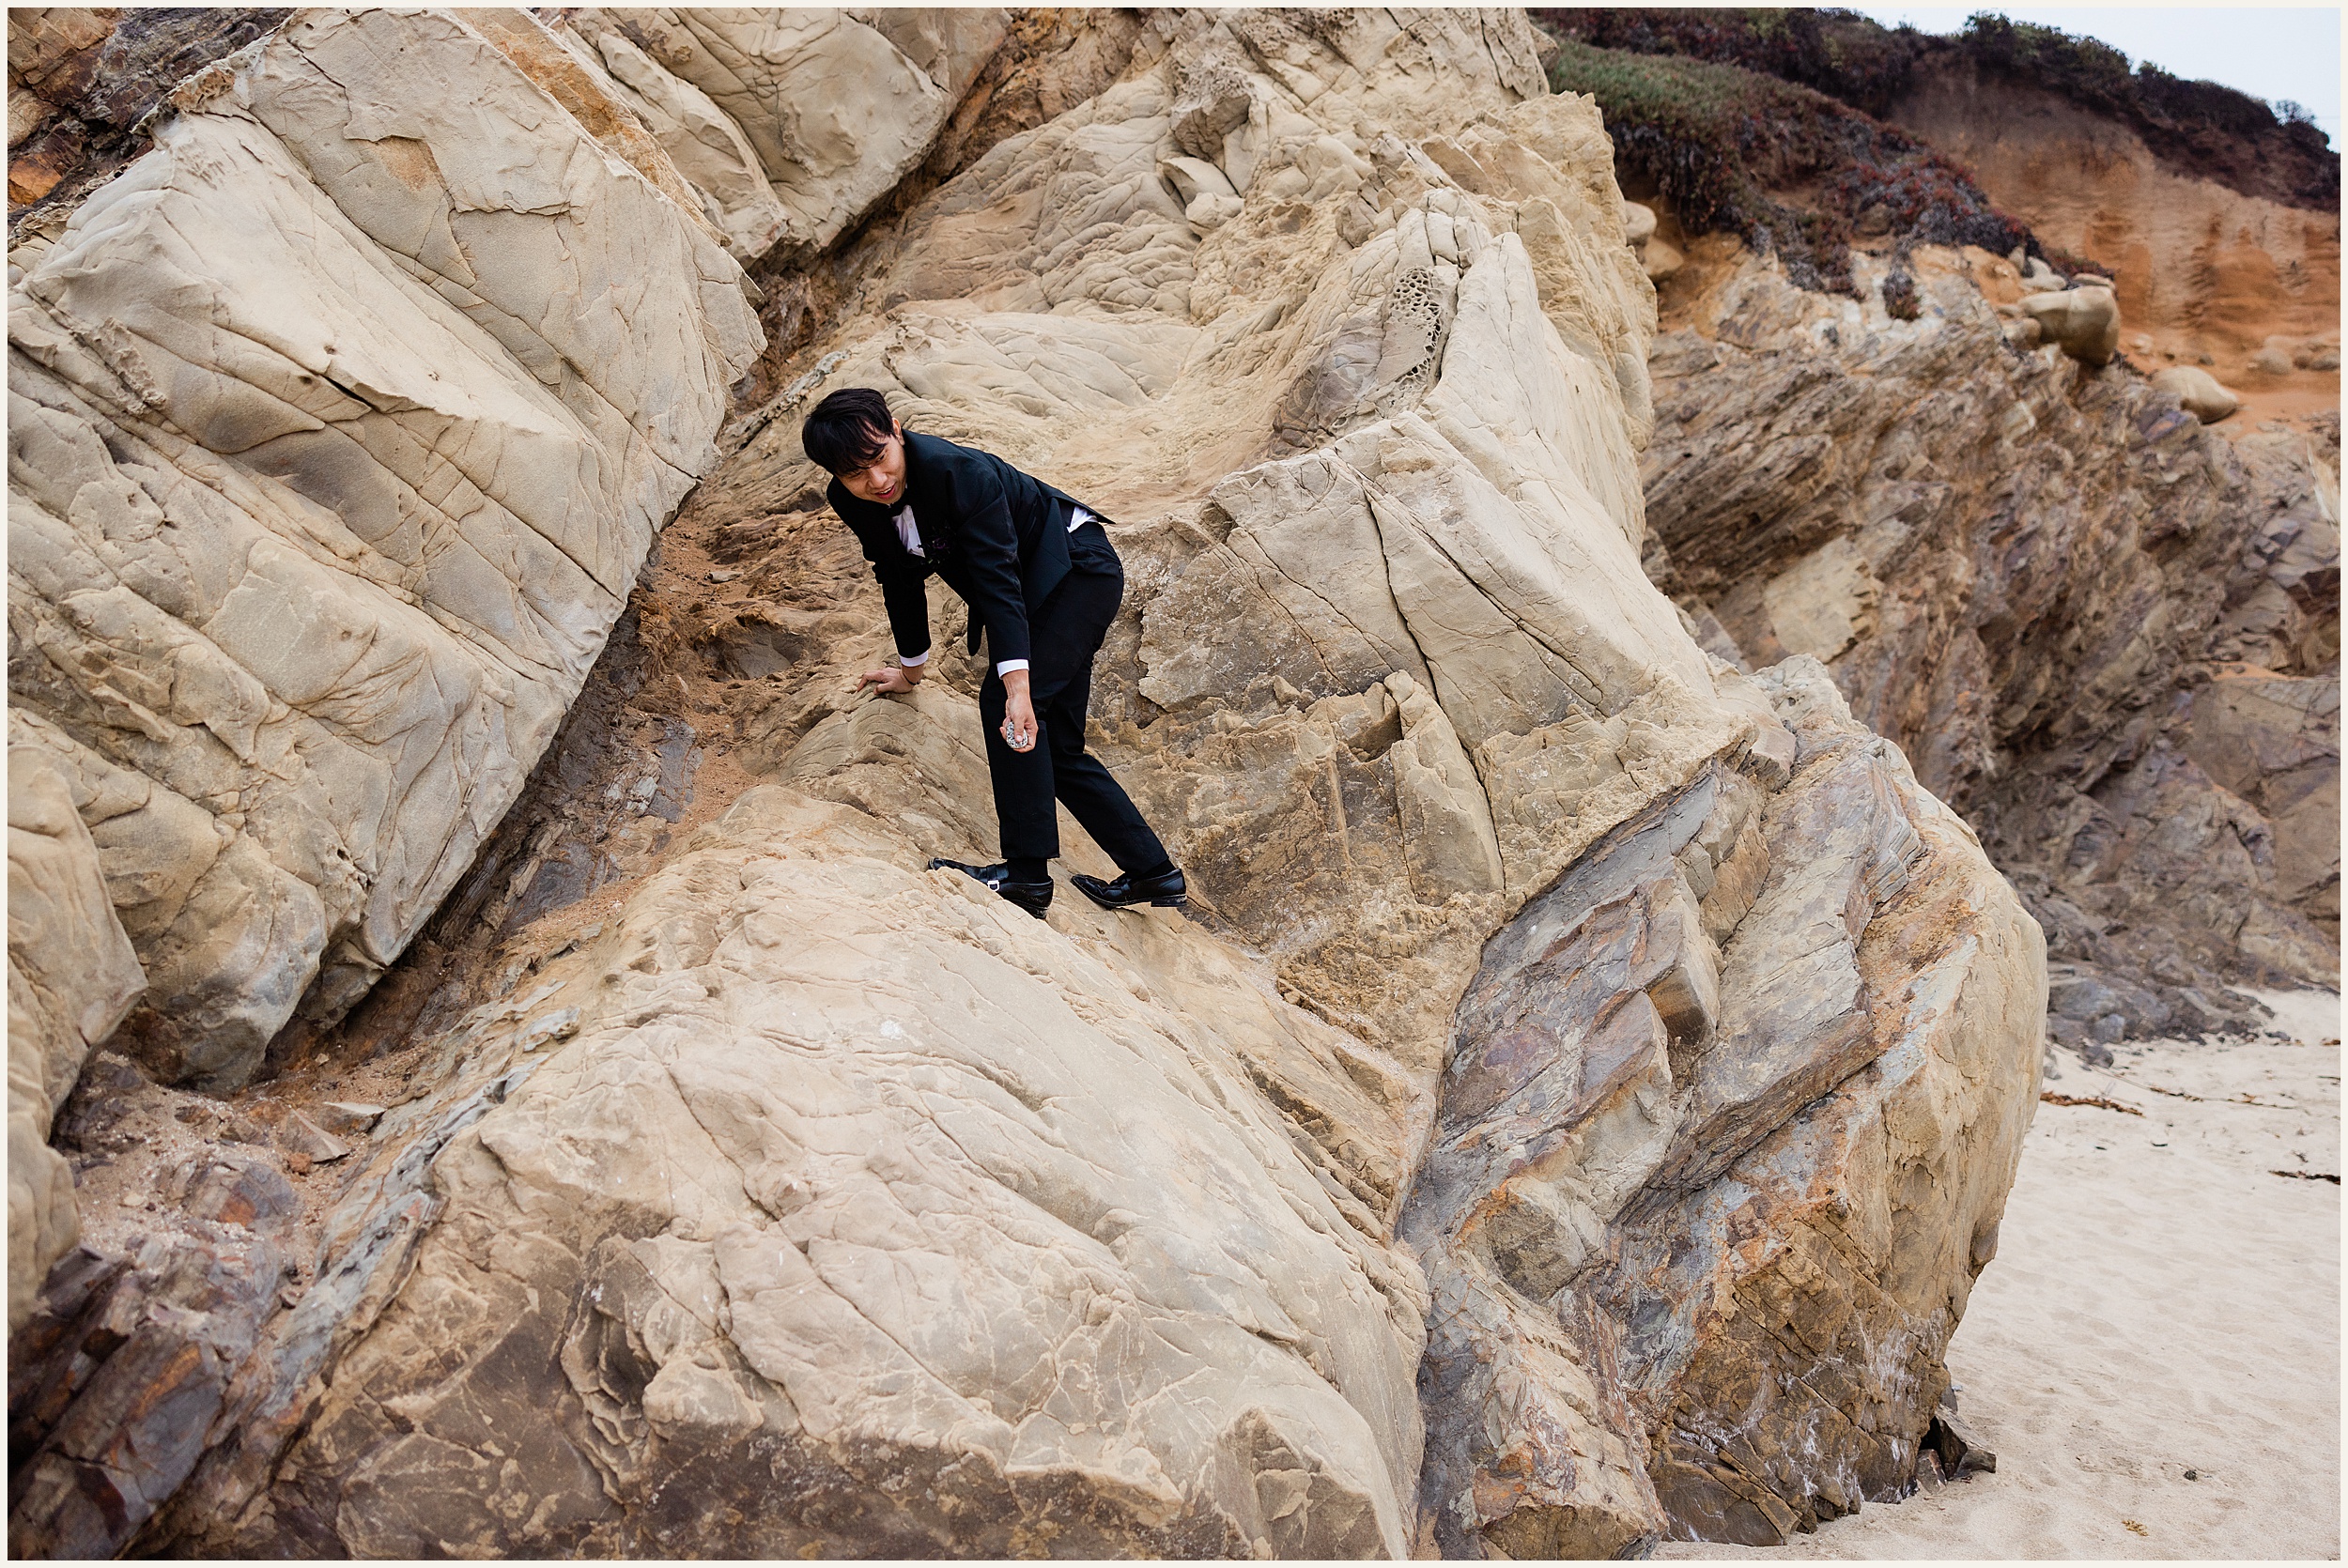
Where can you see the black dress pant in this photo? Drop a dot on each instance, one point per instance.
(1063, 638)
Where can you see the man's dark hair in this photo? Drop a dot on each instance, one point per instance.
(846, 430)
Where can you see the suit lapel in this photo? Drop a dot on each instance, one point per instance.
(877, 525)
(926, 495)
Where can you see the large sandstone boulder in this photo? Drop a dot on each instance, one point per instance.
(336, 437)
(339, 427)
(1700, 1139)
(819, 1204)
(875, 1218)
(1550, 977)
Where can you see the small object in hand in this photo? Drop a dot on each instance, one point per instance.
(1020, 740)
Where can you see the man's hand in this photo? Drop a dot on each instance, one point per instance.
(1018, 713)
(892, 681)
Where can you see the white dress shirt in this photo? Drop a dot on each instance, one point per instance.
(910, 533)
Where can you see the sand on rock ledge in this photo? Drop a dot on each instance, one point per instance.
(2163, 1306)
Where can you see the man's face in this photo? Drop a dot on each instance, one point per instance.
(883, 478)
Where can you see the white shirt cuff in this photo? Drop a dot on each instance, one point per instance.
(1009, 665)
(910, 660)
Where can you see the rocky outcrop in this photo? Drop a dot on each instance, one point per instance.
(1657, 1249)
(790, 124)
(311, 547)
(788, 1198)
(2034, 620)
(81, 82)
(1014, 1259)
(336, 438)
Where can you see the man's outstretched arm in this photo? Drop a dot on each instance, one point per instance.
(908, 604)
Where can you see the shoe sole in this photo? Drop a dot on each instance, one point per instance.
(1180, 901)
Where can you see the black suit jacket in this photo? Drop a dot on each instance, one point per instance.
(998, 536)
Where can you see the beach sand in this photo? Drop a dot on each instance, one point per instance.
(2161, 1306)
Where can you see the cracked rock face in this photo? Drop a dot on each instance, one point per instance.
(864, 1214)
(1702, 1207)
(338, 433)
(789, 125)
(1573, 1117)
(2107, 633)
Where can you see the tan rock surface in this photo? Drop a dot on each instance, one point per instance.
(338, 436)
(71, 976)
(792, 123)
(924, 1187)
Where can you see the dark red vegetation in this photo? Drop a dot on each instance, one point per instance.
(2202, 128)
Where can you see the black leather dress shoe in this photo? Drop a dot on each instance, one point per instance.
(1165, 890)
(1033, 897)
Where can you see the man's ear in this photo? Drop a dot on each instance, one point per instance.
(896, 430)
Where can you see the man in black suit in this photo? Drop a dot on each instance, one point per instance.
(1044, 583)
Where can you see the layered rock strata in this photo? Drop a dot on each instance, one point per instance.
(1712, 1140)
(2099, 633)
(83, 81)
(809, 1202)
